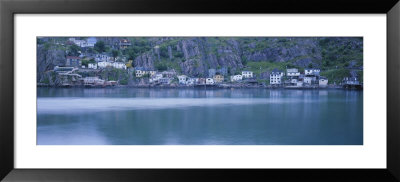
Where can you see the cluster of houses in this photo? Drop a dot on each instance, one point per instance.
(89, 42)
(101, 61)
(294, 78)
(277, 78)
(69, 77)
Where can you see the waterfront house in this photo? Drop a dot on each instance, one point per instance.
(247, 74)
(182, 79)
(275, 78)
(351, 81)
(155, 78)
(218, 78)
(111, 83)
(299, 83)
(323, 81)
(209, 81)
(235, 78)
(93, 81)
(92, 65)
(165, 80)
(191, 81)
(124, 43)
(312, 71)
(73, 61)
(104, 64)
(202, 81)
(292, 72)
(309, 79)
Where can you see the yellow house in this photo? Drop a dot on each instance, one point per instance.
(218, 78)
(152, 72)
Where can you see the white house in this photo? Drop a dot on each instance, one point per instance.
(235, 78)
(191, 81)
(182, 79)
(93, 81)
(103, 57)
(104, 64)
(312, 71)
(80, 43)
(309, 79)
(92, 65)
(139, 73)
(165, 80)
(292, 72)
(209, 81)
(247, 74)
(323, 82)
(152, 72)
(299, 83)
(156, 77)
(275, 78)
(119, 65)
(90, 42)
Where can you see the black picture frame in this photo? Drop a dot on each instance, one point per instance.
(8, 8)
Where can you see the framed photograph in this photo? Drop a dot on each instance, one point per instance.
(125, 91)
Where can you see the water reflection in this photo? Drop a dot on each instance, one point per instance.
(199, 117)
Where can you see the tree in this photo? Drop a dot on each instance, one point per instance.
(100, 46)
(114, 53)
(73, 50)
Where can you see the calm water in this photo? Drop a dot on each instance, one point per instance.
(127, 116)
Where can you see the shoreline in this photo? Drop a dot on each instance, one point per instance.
(207, 87)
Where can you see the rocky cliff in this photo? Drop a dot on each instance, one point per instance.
(194, 56)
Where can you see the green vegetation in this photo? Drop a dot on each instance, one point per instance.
(335, 75)
(73, 50)
(115, 53)
(87, 61)
(100, 47)
(360, 76)
(260, 67)
(339, 54)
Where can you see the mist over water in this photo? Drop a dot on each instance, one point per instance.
(75, 104)
(128, 116)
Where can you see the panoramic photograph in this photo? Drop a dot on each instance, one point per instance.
(199, 90)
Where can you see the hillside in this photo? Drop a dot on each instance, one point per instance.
(193, 56)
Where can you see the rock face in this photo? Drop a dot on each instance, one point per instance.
(146, 60)
(194, 56)
(47, 59)
(201, 54)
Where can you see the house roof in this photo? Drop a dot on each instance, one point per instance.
(124, 41)
(92, 40)
(143, 69)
